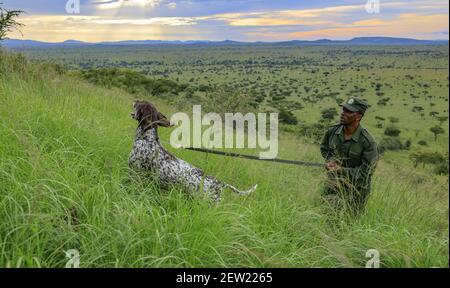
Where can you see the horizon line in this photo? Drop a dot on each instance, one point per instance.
(229, 40)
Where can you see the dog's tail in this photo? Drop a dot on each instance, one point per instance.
(235, 190)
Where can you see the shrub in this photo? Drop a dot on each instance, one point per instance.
(394, 120)
(314, 132)
(131, 81)
(407, 144)
(427, 158)
(288, 117)
(422, 143)
(436, 130)
(329, 113)
(392, 131)
(442, 119)
(383, 102)
(443, 167)
(225, 99)
(417, 109)
(390, 144)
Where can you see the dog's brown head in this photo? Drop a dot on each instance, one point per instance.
(148, 116)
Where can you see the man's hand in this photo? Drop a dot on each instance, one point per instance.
(333, 167)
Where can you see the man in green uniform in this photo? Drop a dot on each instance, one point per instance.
(351, 155)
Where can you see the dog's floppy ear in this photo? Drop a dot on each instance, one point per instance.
(162, 120)
(140, 111)
(145, 113)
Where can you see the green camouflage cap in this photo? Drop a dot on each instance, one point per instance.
(356, 105)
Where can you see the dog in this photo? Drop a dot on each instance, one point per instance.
(149, 155)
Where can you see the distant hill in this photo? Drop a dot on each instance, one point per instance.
(13, 43)
(369, 41)
(16, 43)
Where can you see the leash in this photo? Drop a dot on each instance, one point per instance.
(231, 154)
(245, 156)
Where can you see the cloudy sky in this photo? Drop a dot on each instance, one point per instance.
(241, 20)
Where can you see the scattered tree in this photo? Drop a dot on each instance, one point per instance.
(441, 119)
(433, 113)
(426, 158)
(436, 130)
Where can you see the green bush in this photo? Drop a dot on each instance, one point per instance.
(225, 99)
(131, 81)
(287, 117)
(329, 113)
(433, 158)
(442, 168)
(436, 130)
(313, 132)
(392, 131)
(393, 144)
(423, 143)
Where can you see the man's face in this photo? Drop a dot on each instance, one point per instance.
(348, 117)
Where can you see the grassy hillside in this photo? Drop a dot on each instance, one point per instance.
(65, 184)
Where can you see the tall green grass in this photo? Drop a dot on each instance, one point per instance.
(65, 184)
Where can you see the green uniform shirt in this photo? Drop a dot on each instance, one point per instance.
(357, 156)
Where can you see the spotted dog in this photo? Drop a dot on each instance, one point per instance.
(149, 155)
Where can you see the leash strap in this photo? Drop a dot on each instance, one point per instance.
(231, 154)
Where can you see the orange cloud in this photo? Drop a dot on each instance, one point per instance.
(308, 17)
(275, 22)
(406, 25)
